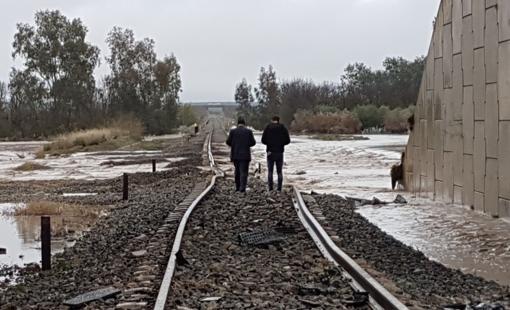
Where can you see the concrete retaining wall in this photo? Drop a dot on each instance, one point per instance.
(459, 150)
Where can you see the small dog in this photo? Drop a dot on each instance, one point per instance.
(397, 173)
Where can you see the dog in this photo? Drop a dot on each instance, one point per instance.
(397, 173)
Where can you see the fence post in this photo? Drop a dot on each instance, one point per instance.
(125, 187)
(153, 165)
(46, 242)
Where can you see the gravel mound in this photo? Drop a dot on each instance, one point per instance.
(221, 272)
(427, 281)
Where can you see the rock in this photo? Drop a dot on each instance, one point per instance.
(132, 305)
(400, 199)
(300, 172)
(3, 251)
(139, 253)
(82, 299)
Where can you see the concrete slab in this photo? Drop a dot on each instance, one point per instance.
(479, 84)
(466, 7)
(448, 177)
(479, 202)
(478, 7)
(491, 45)
(447, 11)
(469, 185)
(504, 160)
(438, 36)
(467, 50)
(468, 120)
(447, 57)
(491, 187)
(490, 3)
(457, 194)
(479, 156)
(504, 80)
(438, 191)
(458, 88)
(458, 155)
(504, 208)
(491, 121)
(504, 20)
(438, 149)
(457, 26)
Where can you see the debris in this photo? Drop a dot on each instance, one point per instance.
(3, 251)
(400, 199)
(139, 253)
(300, 172)
(261, 237)
(358, 299)
(207, 299)
(82, 299)
(181, 261)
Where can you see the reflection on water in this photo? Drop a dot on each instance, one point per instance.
(20, 235)
(452, 235)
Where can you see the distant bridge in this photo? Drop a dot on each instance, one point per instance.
(228, 108)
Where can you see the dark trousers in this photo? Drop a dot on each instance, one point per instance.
(272, 159)
(241, 174)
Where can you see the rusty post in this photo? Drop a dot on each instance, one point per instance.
(153, 165)
(46, 242)
(125, 187)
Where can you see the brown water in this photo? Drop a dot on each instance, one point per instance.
(20, 235)
(457, 237)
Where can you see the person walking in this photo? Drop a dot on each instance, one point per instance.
(275, 137)
(240, 140)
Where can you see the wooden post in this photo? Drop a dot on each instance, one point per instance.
(125, 187)
(153, 165)
(46, 242)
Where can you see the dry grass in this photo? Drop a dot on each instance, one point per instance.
(38, 208)
(31, 166)
(123, 131)
(328, 123)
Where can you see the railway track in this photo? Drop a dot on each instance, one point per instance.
(361, 281)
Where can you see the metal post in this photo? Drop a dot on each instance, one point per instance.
(125, 188)
(46, 242)
(153, 165)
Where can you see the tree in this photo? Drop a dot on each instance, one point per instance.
(268, 95)
(186, 115)
(59, 63)
(4, 116)
(244, 97)
(141, 84)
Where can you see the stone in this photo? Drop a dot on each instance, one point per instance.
(82, 299)
(139, 253)
(400, 199)
(132, 305)
(3, 251)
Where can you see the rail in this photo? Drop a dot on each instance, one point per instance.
(380, 298)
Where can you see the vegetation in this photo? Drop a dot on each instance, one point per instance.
(54, 91)
(369, 94)
(331, 123)
(38, 208)
(123, 131)
(31, 166)
(186, 116)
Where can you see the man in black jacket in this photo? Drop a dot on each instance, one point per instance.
(275, 137)
(240, 141)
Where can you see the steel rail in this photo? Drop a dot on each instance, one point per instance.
(380, 298)
(170, 269)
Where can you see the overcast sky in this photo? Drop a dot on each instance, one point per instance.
(218, 42)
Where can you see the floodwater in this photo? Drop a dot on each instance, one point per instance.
(20, 235)
(453, 235)
(79, 166)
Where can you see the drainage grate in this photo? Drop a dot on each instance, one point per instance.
(262, 237)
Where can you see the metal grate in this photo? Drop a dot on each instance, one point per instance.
(262, 237)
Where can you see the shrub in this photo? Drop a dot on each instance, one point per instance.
(370, 115)
(332, 123)
(396, 121)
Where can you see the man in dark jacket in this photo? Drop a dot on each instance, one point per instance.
(240, 141)
(275, 137)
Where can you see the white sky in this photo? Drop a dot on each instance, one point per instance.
(218, 42)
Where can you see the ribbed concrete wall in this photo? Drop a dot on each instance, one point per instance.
(459, 150)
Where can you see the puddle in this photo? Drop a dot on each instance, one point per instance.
(20, 235)
(452, 235)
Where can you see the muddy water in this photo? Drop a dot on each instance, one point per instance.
(452, 235)
(20, 235)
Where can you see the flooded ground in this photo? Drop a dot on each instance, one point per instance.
(453, 235)
(20, 235)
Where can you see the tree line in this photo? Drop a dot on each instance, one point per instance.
(363, 97)
(55, 91)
